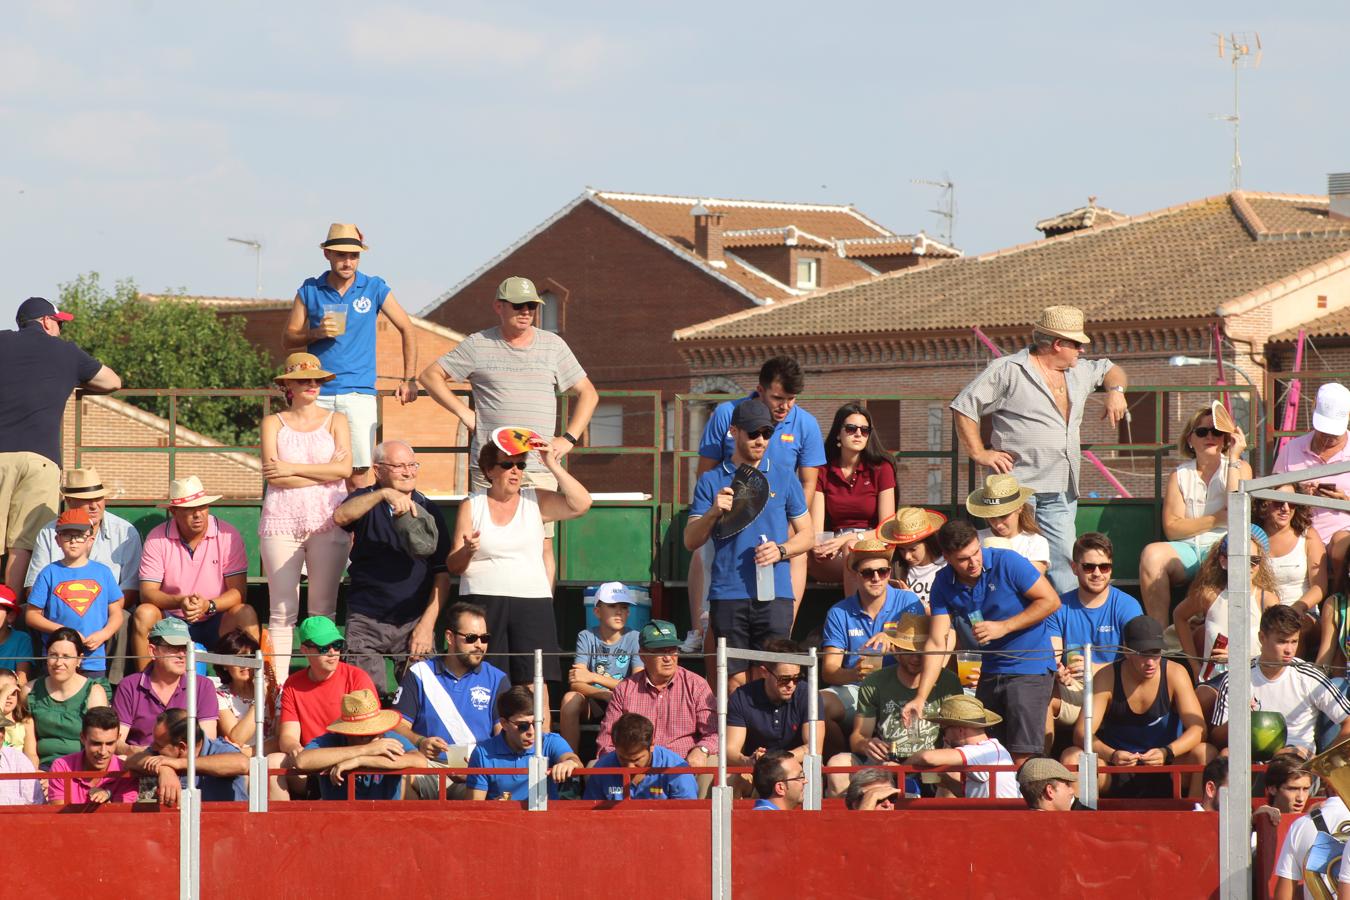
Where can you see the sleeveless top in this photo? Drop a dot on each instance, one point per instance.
(1202, 499)
(301, 511)
(57, 721)
(1291, 572)
(1216, 623)
(1125, 729)
(510, 557)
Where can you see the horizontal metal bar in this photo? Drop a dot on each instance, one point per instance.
(792, 659)
(221, 659)
(1303, 499)
(1312, 473)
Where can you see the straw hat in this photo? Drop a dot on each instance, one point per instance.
(186, 493)
(1063, 322)
(347, 238)
(1223, 420)
(910, 525)
(910, 634)
(1000, 495)
(82, 484)
(869, 548)
(961, 709)
(362, 716)
(303, 365)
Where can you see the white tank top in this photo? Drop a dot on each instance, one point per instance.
(1216, 623)
(1202, 499)
(1291, 572)
(510, 557)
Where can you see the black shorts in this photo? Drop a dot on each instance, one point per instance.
(1022, 701)
(521, 625)
(747, 624)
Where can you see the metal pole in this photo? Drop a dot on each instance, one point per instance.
(258, 781)
(538, 764)
(189, 835)
(811, 761)
(1087, 762)
(721, 712)
(191, 676)
(721, 792)
(1234, 813)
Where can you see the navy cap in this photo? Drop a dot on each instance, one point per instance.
(751, 415)
(35, 308)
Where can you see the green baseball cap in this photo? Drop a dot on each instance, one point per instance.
(171, 630)
(518, 290)
(659, 635)
(319, 631)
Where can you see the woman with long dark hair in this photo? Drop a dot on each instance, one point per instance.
(855, 492)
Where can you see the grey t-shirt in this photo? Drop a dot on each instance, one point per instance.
(513, 385)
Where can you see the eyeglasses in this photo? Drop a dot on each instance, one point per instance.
(785, 680)
(526, 725)
(61, 657)
(519, 307)
(1104, 568)
(74, 537)
(1279, 504)
(513, 464)
(1205, 431)
(401, 467)
(864, 430)
(874, 574)
(322, 649)
(169, 649)
(763, 434)
(483, 638)
(801, 777)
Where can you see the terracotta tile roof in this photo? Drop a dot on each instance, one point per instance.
(1090, 216)
(1332, 325)
(791, 236)
(251, 304)
(1184, 261)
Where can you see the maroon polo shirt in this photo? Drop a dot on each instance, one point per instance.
(852, 502)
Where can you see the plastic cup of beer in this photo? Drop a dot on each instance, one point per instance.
(967, 668)
(337, 314)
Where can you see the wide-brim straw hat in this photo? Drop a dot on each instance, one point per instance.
(1000, 495)
(303, 365)
(909, 525)
(344, 237)
(1063, 322)
(1223, 419)
(962, 709)
(362, 717)
(186, 493)
(82, 484)
(910, 633)
(869, 548)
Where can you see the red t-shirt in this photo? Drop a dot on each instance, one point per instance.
(316, 705)
(852, 503)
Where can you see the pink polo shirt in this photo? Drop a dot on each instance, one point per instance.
(122, 786)
(1295, 456)
(166, 560)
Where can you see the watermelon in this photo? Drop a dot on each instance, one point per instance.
(1269, 734)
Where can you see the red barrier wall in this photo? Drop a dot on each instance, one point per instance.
(657, 850)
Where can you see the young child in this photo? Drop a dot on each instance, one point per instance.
(605, 656)
(16, 647)
(965, 727)
(15, 719)
(77, 593)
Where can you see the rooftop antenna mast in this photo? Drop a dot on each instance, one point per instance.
(256, 246)
(1243, 48)
(947, 208)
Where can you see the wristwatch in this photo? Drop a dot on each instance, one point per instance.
(1119, 388)
(782, 553)
(568, 437)
(211, 607)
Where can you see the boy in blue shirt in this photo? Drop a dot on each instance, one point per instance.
(606, 655)
(512, 749)
(633, 749)
(363, 737)
(77, 593)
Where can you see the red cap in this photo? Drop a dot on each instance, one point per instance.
(74, 520)
(7, 598)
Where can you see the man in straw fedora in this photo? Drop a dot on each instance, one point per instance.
(853, 641)
(115, 542)
(363, 737)
(193, 567)
(1036, 399)
(333, 317)
(965, 725)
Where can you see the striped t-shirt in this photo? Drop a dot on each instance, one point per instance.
(1298, 692)
(513, 386)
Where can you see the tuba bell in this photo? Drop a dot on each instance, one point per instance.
(1324, 859)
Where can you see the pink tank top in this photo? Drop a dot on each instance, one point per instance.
(300, 511)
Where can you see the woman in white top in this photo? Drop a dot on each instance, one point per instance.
(1002, 504)
(1204, 612)
(498, 552)
(1297, 557)
(1195, 506)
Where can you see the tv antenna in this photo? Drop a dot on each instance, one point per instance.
(1243, 48)
(256, 246)
(946, 210)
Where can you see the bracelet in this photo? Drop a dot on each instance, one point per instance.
(1119, 389)
(1169, 756)
(567, 435)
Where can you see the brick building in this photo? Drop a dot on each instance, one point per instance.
(1154, 287)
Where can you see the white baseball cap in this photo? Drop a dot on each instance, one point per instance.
(614, 592)
(1332, 413)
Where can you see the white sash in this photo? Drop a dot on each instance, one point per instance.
(446, 710)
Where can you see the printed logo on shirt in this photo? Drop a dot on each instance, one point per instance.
(79, 594)
(856, 632)
(361, 304)
(480, 697)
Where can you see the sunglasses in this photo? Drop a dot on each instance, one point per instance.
(1255, 560)
(1095, 567)
(763, 434)
(527, 725)
(323, 649)
(864, 430)
(874, 574)
(513, 464)
(520, 307)
(785, 680)
(1205, 431)
(483, 638)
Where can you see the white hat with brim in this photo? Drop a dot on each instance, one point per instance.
(187, 493)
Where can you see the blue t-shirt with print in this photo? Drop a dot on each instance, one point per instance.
(733, 568)
(653, 786)
(1101, 627)
(796, 440)
(368, 787)
(848, 627)
(78, 598)
(497, 754)
(998, 595)
(617, 660)
(351, 355)
(461, 710)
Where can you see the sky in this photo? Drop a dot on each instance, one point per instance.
(140, 135)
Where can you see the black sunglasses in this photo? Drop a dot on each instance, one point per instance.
(527, 725)
(339, 645)
(1095, 567)
(513, 464)
(873, 574)
(519, 307)
(864, 430)
(483, 638)
(763, 434)
(1204, 431)
(785, 680)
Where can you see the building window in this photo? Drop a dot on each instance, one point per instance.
(550, 314)
(808, 273)
(606, 427)
(1141, 426)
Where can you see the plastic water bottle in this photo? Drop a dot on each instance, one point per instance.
(764, 589)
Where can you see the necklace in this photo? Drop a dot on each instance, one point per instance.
(1061, 388)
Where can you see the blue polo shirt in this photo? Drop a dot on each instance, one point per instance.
(434, 702)
(796, 440)
(848, 627)
(368, 787)
(764, 804)
(351, 355)
(496, 753)
(773, 726)
(733, 568)
(653, 786)
(1100, 627)
(997, 594)
(384, 582)
(220, 789)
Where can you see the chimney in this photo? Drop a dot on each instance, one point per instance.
(1338, 188)
(708, 235)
